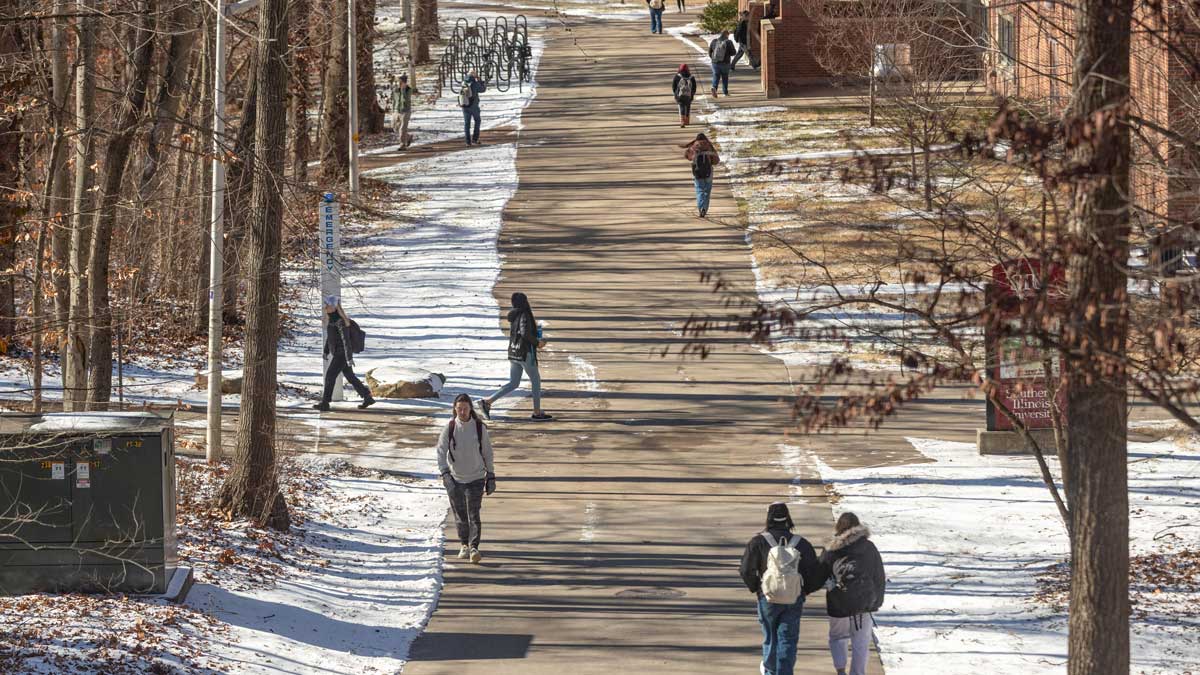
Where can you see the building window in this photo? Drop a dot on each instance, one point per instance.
(1005, 39)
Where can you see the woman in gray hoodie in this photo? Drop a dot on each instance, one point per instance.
(464, 456)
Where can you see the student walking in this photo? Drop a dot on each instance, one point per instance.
(339, 347)
(703, 156)
(402, 110)
(656, 12)
(855, 585)
(468, 100)
(682, 6)
(741, 35)
(464, 456)
(684, 89)
(524, 341)
(721, 51)
(781, 568)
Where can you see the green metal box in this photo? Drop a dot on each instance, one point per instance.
(87, 502)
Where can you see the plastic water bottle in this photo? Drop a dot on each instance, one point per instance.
(539, 331)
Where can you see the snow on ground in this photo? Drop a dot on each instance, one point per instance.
(965, 538)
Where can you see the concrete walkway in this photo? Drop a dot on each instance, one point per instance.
(614, 540)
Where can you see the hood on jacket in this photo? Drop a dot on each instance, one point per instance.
(845, 539)
(683, 70)
(778, 517)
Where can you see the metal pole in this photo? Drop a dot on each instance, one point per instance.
(352, 60)
(216, 271)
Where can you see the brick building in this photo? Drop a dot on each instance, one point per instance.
(784, 43)
(1032, 59)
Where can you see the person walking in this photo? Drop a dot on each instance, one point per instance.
(682, 6)
(720, 52)
(656, 12)
(338, 348)
(402, 110)
(468, 100)
(464, 456)
(852, 572)
(703, 156)
(683, 86)
(741, 35)
(524, 341)
(781, 569)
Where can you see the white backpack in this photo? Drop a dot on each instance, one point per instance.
(782, 582)
(465, 94)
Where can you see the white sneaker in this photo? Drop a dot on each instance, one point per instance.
(476, 556)
(464, 552)
(762, 668)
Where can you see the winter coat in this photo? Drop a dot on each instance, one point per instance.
(522, 332)
(741, 34)
(754, 562)
(851, 554)
(336, 343)
(729, 51)
(701, 146)
(477, 87)
(402, 98)
(468, 457)
(675, 86)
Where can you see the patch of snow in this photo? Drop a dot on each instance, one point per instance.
(585, 373)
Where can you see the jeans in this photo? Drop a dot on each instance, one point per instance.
(655, 20)
(703, 193)
(855, 630)
(339, 365)
(781, 634)
(466, 500)
(530, 367)
(471, 113)
(685, 106)
(721, 76)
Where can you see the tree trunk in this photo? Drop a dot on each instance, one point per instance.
(425, 27)
(116, 159)
(203, 203)
(252, 489)
(239, 180)
(301, 66)
(370, 114)
(184, 31)
(60, 198)
(335, 162)
(1097, 324)
(75, 364)
(12, 47)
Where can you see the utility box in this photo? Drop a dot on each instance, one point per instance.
(87, 502)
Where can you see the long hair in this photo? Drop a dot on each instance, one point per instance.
(470, 405)
(845, 522)
(700, 138)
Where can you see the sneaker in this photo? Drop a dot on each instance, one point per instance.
(541, 417)
(464, 552)
(486, 408)
(476, 556)
(714, 92)
(322, 407)
(366, 403)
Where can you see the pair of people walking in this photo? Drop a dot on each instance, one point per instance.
(782, 568)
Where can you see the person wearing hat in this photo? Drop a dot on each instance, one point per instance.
(464, 457)
(780, 622)
(683, 86)
(402, 109)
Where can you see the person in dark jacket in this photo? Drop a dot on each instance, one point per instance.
(741, 35)
(524, 340)
(856, 582)
(468, 100)
(780, 623)
(683, 87)
(341, 357)
(720, 52)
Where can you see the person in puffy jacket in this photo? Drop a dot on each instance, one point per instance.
(464, 457)
(683, 87)
(341, 358)
(780, 623)
(703, 156)
(856, 582)
(523, 345)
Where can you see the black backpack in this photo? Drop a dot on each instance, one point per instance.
(702, 165)
(356, 337)
(855, 591)
(478, 434)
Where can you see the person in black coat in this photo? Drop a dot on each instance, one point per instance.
(856, 584)
(341, 357)
(741, 35)
(683, 87)
(780, 623)
(524, 341)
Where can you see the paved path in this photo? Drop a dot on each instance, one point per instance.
(613, 543)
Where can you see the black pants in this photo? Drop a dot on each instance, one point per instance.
(338, 364)
(465, 501)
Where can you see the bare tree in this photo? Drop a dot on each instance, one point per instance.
(335, 163)
(252, 489)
